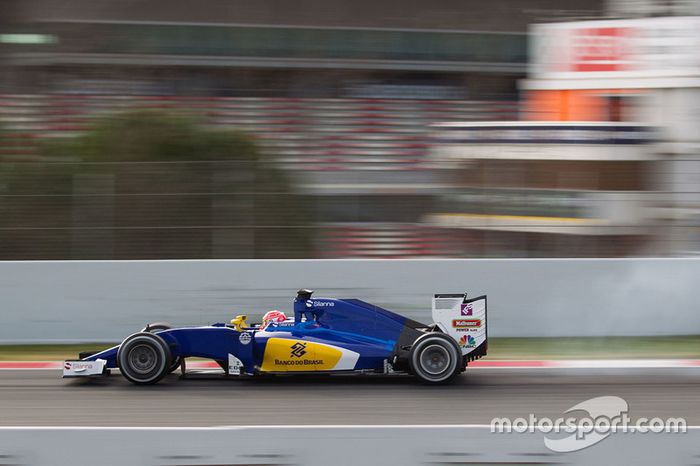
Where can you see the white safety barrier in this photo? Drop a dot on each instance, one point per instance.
(326, 445)
(82, 301)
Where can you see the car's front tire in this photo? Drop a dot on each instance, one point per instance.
(435, 358)
(160, 326)
(144, 358)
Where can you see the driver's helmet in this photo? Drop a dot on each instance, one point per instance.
(273, 316)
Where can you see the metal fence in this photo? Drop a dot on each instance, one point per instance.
(154, 210)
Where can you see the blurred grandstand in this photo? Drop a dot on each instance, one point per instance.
(342, 96)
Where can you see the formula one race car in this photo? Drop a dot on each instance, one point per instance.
(324, 336)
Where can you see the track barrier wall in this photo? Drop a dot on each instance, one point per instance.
(82, 301)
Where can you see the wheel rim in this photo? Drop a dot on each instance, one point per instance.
(435, 359)
(142, 359)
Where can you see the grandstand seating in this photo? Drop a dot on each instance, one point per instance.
(302, 134)
(313, 134)
(386, 241)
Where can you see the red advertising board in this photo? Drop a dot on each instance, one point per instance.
(599, 49)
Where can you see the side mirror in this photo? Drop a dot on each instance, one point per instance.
(239, 322)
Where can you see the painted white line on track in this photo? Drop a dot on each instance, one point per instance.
(274, 426)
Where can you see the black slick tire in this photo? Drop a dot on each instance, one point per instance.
(144, 358)
(435, 358)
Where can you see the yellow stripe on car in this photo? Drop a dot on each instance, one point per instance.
(290, 355)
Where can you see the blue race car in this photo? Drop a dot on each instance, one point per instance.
(324, 336)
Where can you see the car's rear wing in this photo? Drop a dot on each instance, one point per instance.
(464, 319)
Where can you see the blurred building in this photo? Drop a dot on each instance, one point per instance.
(343, 93)
(344, 96)
(608, 164)
(312, 48)
(548, 189)
(637, 70)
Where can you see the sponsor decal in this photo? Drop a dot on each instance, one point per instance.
(81, 366)
(324, 303)
(466, 323)
(244, 338)
(467, 309)
(77, 366)
(299, 362)
(286, 355)
(467, 341)
(298, 350)
(286, 323)
(235, 365)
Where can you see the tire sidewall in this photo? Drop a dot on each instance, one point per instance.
(424, 342)
(162, 353)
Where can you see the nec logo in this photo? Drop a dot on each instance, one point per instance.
(298, 349)
(324, 303)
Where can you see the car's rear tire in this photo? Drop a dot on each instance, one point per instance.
(157, 327)
(144, 358)
(435, 358)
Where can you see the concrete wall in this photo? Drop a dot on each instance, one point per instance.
(106, 301)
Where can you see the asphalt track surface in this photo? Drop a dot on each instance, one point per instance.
(42, 398)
